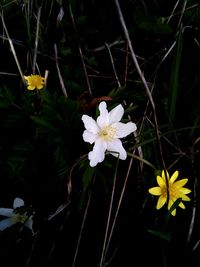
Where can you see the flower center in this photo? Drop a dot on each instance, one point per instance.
(36, 80)
(107, 133)
(19, 218)
(173, 191)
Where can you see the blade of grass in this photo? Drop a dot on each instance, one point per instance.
(83, 224)
(81, 52)
(174, 77)
(195, 190)
(12, 48)
(145, 84)
(104, 249)
(36, 39)
(59, 73)
(117, 210)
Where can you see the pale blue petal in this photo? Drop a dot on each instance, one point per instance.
(115, 115)
(29, 223)
(18, 202)
(97, 155)
(103, 119)
(116, 146)
(90, 124)
(6, 212)
(5, 224)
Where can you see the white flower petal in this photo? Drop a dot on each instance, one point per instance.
(6, 212)
(116, 146)
(89, 137)
(116, 114)
(90, 124)
(103, 119)
(29, 223)
(124, 129)
(97, 155)
(5, 224)
(18, 202)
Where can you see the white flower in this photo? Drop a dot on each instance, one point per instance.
(106, 132)
(14, 216)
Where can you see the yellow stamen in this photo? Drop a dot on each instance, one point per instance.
(19, 218)
(108, 133)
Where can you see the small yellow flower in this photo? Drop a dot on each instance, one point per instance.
(35, 82)
(175, 189)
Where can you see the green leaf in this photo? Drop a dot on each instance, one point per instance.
(161, 234)
(40, 121)
(154, 25)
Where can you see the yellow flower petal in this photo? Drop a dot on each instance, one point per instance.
(39, 87)
(161, 202)
(174, 176)
(181, 205)
(156, 191)
(163, 174)
(185, 198)
(173, 212)
(170, 203)
(161, 182)
(181, 182)
(31, 87)
(185, 191)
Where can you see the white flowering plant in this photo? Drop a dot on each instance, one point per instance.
(16, 215)
(106, 133)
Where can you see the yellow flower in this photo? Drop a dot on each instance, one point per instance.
(34, 82)
(175, 189)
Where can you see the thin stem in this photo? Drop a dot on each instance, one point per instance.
(195, 187)
(118, 207)
(82, 226)
(85, 71)
(59, 73)
(126, 65)
(12, 49)
(81, 52)
(173, 11)
(182, 12)
(148, 91)
(113, 65)
(36, 39)
(109, 216)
